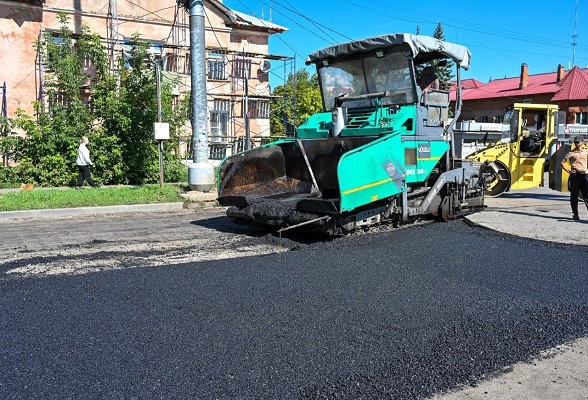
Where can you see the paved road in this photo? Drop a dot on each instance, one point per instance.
(402, 314)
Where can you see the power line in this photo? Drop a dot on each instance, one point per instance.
(300, 25)
(315, 23)
(483, 29)
(288, 45)
(151, 12)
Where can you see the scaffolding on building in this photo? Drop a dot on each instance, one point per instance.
(240, 71)
(4, 126)
(231, 108)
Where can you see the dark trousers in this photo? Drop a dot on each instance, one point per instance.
(578, 183)
(85, 174)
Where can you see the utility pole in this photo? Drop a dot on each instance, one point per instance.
(200, 172)
(112, 32)
(246, 105)
(4, 127)
(158, 84)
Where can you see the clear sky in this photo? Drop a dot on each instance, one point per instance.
(500, 34)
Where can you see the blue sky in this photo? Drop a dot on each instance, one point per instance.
(501, 35)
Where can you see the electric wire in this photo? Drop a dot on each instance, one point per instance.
(302, 26)
(286, 43)
(318, 25)
(149, 12)
(463, 27)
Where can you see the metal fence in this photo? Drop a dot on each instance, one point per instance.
(220, 150)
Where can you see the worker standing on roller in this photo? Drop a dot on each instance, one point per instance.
(578, 160)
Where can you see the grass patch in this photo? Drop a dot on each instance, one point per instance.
(38, 199)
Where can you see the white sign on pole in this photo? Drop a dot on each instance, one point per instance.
(161, 130)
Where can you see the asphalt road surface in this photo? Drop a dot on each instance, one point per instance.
(188, 306)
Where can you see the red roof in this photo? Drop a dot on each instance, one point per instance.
(509, 87)
(471, 84)
(573, 86)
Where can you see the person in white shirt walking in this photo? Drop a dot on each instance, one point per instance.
(83, 161)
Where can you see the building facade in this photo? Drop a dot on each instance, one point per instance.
(568, 89)
(238, 58)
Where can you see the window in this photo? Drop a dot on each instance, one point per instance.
(484, 119)
(242, 68)
(499, 119)
(60, 99)
(219, 123)
(582, 118)
(391, 74)
(155, 50)
(514, 125)
(222, 105)
(53, 47)
(56, 101)
(216, 66)
(258, 109)
(176, 63)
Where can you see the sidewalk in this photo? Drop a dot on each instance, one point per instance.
(539, 213)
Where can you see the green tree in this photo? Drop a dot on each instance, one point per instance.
(47, 152)
(126, 104)
(444, 70)
(118, 116)
(300, 98)
(8, 141)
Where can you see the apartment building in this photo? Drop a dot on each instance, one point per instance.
(238, 56)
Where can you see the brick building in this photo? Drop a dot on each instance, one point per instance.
(237, 52)
(568, 89)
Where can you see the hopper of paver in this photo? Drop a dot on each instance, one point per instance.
(262, 172)
(286, 182)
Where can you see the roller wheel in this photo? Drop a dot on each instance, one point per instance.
(497, 182)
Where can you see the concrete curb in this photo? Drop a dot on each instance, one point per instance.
(192, 201)
(472, 223)
(73, 212)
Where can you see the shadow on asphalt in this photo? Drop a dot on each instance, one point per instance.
(225, 225)
(538, 196)
(540, 216)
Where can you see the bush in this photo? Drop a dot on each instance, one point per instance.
(26, 171)
(55, 171)
(8, 178)
(175, 171)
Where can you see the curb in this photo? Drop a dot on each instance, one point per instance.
(473, 223)
(81, 211)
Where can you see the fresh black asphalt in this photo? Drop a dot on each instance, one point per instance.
(401, 314)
